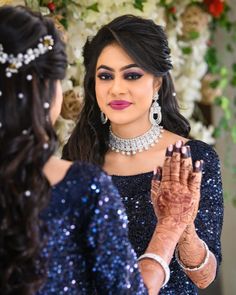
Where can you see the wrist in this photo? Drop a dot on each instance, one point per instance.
(171, 228)
(164, 241)
(189, 235)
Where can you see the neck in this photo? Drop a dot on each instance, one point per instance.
(130, 130)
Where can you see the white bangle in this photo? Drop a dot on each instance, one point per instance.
(161, 261)
(205, 261)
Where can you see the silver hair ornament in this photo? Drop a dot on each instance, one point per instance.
(15, 62)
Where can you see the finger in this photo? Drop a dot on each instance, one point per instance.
(186, 165)
(196, 177)
(156, 181)
(166, 165)
(175, 162)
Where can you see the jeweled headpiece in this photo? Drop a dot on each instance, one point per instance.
(15, 62)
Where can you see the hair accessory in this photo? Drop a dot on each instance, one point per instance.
(46, 105)
(27, 193)
(104, 118)
(24, 132)
(155, 116)
(161, 261)
(45, 146)
(17, 61)
(205, 261)
(20, 95)
(29, 77)
(141, 143)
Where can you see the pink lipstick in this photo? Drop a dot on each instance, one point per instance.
(119, 104)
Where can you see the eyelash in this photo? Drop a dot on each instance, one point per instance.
(127, 76)
(132, 76)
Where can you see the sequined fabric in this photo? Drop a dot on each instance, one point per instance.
(135, 192)
(88, 248)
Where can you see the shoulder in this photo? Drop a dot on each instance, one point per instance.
(80, 189)
(202, 151)
(84, 174)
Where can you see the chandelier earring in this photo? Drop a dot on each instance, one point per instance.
(104, 118)
(155, 116)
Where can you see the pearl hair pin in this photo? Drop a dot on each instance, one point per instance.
(15, 62)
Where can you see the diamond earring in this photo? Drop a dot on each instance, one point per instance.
(103, 118)
(155, 116)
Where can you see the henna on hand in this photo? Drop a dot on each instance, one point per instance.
(176, 195)
(192, 253)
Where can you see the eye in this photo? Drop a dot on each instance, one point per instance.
(105, 76)
(132, 76)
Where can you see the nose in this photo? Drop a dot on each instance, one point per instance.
(118, 86)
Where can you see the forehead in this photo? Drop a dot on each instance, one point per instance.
(114, 56)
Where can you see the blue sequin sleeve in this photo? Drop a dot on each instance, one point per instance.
(112, 259)
(209, 219)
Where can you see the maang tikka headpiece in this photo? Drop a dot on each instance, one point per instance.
(15, 62)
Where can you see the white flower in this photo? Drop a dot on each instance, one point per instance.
(201, 132)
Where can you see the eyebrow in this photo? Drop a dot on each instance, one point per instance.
(122, 69)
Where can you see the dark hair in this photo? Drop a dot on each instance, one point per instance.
(27, 140)
(146, 43)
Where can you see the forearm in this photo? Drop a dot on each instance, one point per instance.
(192, 254)
(163, 243)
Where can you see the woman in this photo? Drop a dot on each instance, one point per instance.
(128, 94)
(63, 228)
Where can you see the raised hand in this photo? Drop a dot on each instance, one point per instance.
(175, 191)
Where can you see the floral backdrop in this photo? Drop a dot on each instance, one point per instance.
(199, 77)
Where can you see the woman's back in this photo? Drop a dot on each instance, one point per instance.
(87, 248)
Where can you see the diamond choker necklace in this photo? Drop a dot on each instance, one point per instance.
(131, 146)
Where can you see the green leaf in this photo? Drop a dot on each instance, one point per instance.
(223, 83)
(93, 7)
(224, 102)
(214, 84)
(229, 48)
(234, 67)
(233, 133)
(64, 22)
(233, 81)
(217, 132)
(163, 3)
(212, 60)
(224, 72)
(193, 35)
(139, 4)
(187, 50)
(234, 202)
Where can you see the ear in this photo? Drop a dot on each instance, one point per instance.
(157, 83)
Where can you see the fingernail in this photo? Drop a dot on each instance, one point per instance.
(202, 164)
(169, 151)
(188, 150)
(157, 175)
(155, 171)
(177, 146)
(184, 152)
(197, 166)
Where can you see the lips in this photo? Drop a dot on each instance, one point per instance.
(119, 104)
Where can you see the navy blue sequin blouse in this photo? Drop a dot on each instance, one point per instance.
(135, 192)
(88, 249)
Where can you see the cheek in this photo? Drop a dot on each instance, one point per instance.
(100, 91)
(144, 93)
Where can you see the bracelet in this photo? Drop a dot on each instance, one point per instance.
(197, 267)
(161, 261)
